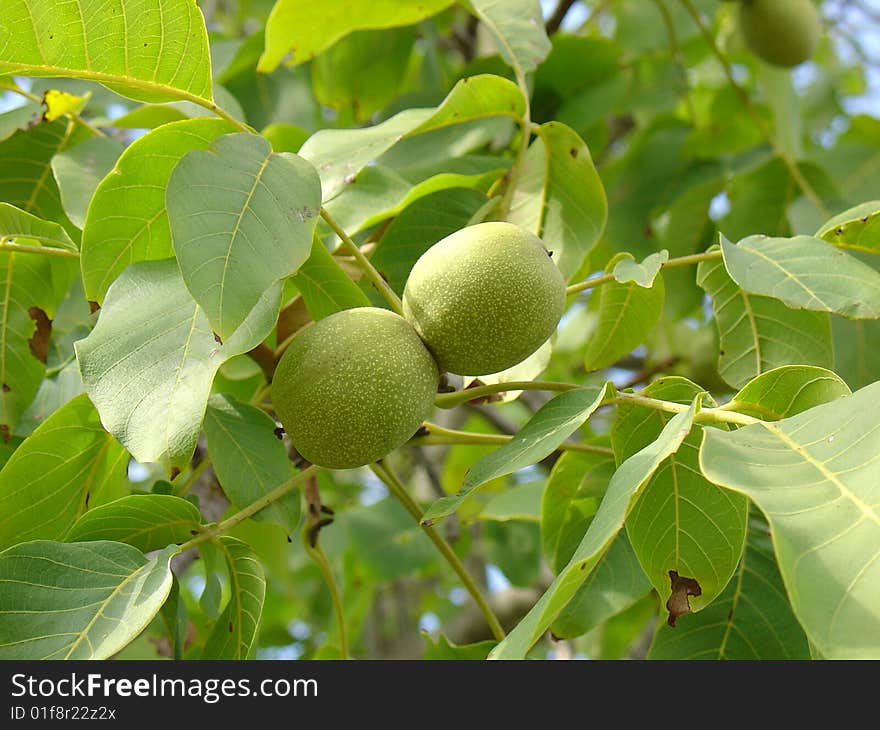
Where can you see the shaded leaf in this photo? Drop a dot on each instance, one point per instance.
(554, 422)
(443, 649)
(760, 333)
(26, 179)
(79, 169)
(78, 600)
(560, 197)
(623, 491)
(857, 228)
(303, 31)
(235, 632)
(242, 217)
(156, 50)
(145, 521)
(682, 523)
(66, 465)
(787, 391)
(804, 273)
(814, 475)
(751, 619)
(517, 29)
(127, 221)
(325, 286)
(153, 398)
(23, 228)
(340, 154)
(418, 227)
(856, 357)
(249, 459)
(625, 314)
(616, 583)
(571, 498)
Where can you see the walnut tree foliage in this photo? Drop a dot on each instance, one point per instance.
(688, 469)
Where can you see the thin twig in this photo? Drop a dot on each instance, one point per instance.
(398, 490)
(369, 270)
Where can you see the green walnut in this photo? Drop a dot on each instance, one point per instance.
(353, 387)
(781, 32)
(484, 298)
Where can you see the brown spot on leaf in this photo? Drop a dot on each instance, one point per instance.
(573, 152)
(6, 388)
(230, 627)
(93, 307)
(174, 472)
(680, 588)
(218, 339)
(39, 343)
(4, 432)
(279, 432)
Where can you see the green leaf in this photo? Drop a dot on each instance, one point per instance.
(31, 286)
(340, 154)
(804, 273)
(249, 459)
(363, 72)
(560, 197)
(242, 217)
(787, 391)
(19, 118)
(519, 503)
(624, 314)
(554, 422)
(78, 600)
(78, 171)
(763, 199)
(325, 286)
(751, 619)
(64, 466)
(857, 228)
(643, 273)
(623, 491)
(616, 583)
(156, 50)
(758, 334)
(145, 521)
(380, 192)
(285, 137)
(386, 540)
(150, 116)
(153, 398)
(54, 392)
(814, 476)
(235, 632)
(26, 179)
(443, 649)
(304, 30)
(856, 358)
(127, 221)
(22, 227)
(175, 616)
(514, 547)
(517, 29)
(418, 227)
(571, 498)
(682, 522)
